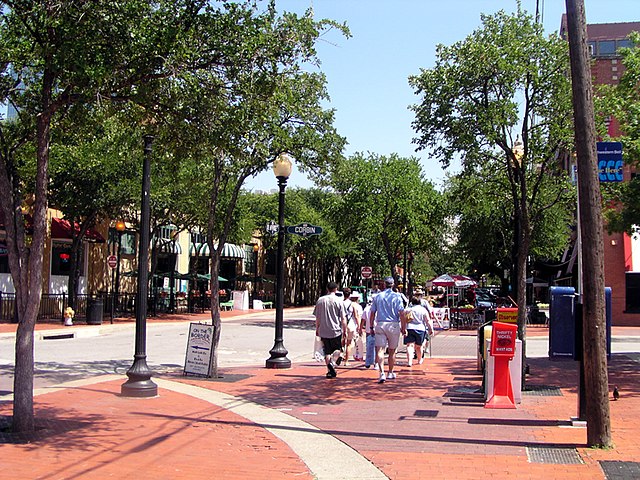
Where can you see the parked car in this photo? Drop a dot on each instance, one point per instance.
(485, 300)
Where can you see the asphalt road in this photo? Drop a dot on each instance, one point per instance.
(244, 341)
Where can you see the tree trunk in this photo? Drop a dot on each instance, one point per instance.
(594, 316)
(215, 308)
(23, 415)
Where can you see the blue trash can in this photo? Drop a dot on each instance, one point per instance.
(562, 331)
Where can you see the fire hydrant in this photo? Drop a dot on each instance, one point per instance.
(68, 316)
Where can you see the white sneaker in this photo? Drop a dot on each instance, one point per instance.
(382, 378)
(376, 367)
(391, 376)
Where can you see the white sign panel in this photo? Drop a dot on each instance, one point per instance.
(199, 349)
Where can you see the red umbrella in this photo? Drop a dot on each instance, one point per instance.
(444, 280)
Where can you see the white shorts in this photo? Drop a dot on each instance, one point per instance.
(387, 334)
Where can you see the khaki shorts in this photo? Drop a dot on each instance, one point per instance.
(387, 334)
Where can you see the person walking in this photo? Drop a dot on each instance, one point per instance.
(366, 328)
(331, 325)
(417, 327)
(386, 308)
(354, 316)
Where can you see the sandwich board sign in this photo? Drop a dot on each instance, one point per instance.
(199, 349)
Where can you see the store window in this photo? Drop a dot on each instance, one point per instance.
(632, 292)
(61, 259)
(249, 259)
(4, 258)
(128, 242)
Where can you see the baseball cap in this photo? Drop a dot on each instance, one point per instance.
(389, 281)
(354, 294)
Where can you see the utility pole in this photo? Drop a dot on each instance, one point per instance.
(591, 224)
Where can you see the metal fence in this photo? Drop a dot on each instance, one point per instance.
(52, 305)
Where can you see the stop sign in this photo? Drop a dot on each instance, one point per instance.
(112, 261)
(366, 272)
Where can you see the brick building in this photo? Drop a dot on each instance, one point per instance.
(621, 252)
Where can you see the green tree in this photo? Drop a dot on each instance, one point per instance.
(505, 80)
(92, 175)
(59, 53)
(480, 201)
(234, 121)
(388, 206)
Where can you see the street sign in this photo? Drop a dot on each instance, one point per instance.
(304, 230)
(112, 261)
(272, 228)
(610, 161)
(366, 272)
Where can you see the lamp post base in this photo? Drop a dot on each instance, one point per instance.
(139, 384)
(278, 357)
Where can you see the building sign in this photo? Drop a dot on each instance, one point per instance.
(4, 251)
(304, 230)
(199, 349)
(610, 161)
(507, 315)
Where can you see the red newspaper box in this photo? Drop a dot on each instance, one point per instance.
(503, 348)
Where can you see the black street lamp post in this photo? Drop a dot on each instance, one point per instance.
(139, 383)
(278, 359)
(120, 228)
(255, 274)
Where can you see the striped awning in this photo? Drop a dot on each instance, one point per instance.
(229, 250)
(167, 246)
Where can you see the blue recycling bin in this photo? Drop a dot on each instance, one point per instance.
(562, 328)
(562, 323)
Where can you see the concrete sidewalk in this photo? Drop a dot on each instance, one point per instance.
(259, 423)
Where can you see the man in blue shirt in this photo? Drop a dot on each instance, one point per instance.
(385, 310)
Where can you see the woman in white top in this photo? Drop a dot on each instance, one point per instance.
(416, 324)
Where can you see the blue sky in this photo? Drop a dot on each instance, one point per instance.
(391, 40)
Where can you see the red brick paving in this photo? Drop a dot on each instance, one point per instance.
(428, 423)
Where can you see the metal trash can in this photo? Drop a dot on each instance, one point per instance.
(95, 311)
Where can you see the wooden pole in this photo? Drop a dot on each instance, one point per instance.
(591, 224)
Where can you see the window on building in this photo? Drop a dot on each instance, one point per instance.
(632, 292)
(249, 259)
(606, 47)
(625, 44)
(61, 259)
(4, 258)
(128, 242)
(198, 238)
(271, 260)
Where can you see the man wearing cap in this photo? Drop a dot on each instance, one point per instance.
(385, 309)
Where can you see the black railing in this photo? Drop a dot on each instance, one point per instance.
(52, 305)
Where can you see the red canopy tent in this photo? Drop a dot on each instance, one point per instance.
(447, 281)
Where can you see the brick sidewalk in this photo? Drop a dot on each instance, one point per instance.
(428, 423)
